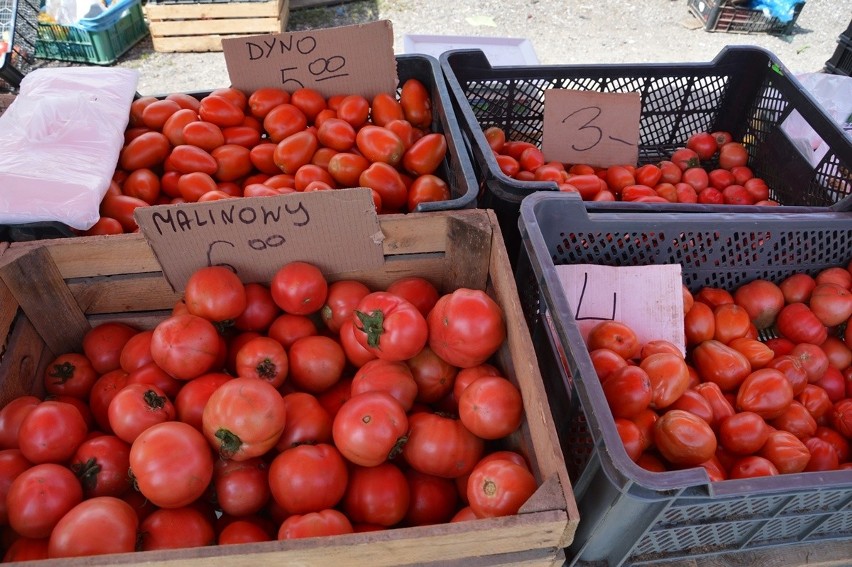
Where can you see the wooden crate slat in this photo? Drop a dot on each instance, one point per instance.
(119, 294)
(39, 288)
(208, 27)
(199, 11)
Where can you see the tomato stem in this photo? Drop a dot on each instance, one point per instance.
(230, 443)
(266, 369)
(87, 472)
(373, 325)
(63, 372)
(154, 401)
(396, 450)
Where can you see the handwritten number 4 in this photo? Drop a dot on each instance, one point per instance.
(596, 112)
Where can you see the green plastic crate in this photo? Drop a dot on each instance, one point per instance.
(122, 27)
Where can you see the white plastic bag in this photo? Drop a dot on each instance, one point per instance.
(59, 143)
(832, 92)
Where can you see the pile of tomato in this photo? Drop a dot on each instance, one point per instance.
(736, 405)
(680, 179)
(257, 412)
(270, 142)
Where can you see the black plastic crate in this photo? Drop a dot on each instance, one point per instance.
(744, 90)
(628, 514)
(18, 32)
(841, 62)
(725, 16)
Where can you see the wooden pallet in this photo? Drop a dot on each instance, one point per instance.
(202, 26)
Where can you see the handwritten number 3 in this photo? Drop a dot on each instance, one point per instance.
(587, 126)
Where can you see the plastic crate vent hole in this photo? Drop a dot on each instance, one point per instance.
(729, 510)
(837, 524)
(788, 529)
(706, 538)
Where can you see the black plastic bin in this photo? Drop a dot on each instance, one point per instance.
(18, 32)
(744, 90)
(725, 16)
(629, 515)
(841, 62)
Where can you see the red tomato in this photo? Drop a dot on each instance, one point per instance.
(142, 184)
(798, 323)
(841, 417)
(39, 497)
(316, 363)
(628, 391)
(416, 103)
(384, 108)
(491, 407)
(732, 154)
(499, 488)
(215, 293)
(101, 464)
(263, 100)
(70, 374)
(441, 446)
(308, 478)
(797, 288)
(315, 524)
(752, 467)
(242, 531)
(797, 420)
(432, 499)
(175, 528)
(433, 376)
(136, 352)
(242, 487)
(243, 418)
(343, 296)
(390, 327)
(786, 452)
(12, 464)
(668, 376)
(260, 310)
(615, 336)
(693, 402)
(185, 346)
(148, 150)
(308, 422)
(97, 526)
(685, 158)
(287, 329)
(684, 438)
(823, 455)
(193, 396)
(831, 303)
(356, 354)
(426, 154)
(51, 432)
(26, 549)
(766, 392)
(385, 180)
(762, 300)
(164, 480)
(427, 189)
(220, 111)
(369, 428)
(743, 433)
(394, 378)
(263, 358)
(376, 495)
(703, 144)
(102, 345)
(379, 144)
(102, 394)
(299, 288)
(135, 408)
(720, 364)
(466, 327)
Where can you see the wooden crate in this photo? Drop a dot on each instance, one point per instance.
(202, 26)
(52, 291)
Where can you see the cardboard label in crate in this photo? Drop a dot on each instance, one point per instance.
(52, 291)
(202, 26)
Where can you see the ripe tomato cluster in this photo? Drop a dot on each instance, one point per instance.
(739, 406)
(681, 179)
(254, 412)
(272, 141)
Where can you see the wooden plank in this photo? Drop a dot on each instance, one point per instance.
(201, 11)
(416, 233)
(219, 26)
(478, 539)
(468, 244)
(34, 279)
(97, 255)
(120, 294)
(23, 364)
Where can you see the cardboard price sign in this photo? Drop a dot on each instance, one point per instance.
(338, 231)
(592, 128)
(356, 59)
(649, 299)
